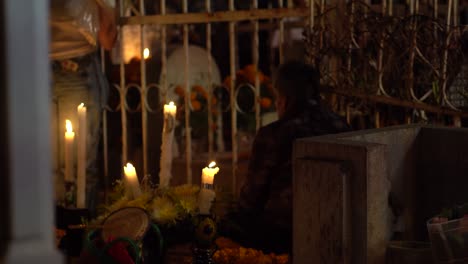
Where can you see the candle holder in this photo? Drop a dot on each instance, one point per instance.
(70, 194)
(71, 220)
(207, 186)
(205, 234)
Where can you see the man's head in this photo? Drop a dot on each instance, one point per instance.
(296, 84)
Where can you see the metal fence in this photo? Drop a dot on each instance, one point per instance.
(337, 38)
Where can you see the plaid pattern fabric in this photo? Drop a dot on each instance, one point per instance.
(267, 190)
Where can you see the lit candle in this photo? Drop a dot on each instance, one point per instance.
(69, 140)
(208, 173)
(165, 175)
(207, 193)
(146, 53)
(170, 109)
(131, 182)
(81, 164)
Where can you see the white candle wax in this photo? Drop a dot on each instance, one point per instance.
(209, 172)
(131, 182)
(81, 164)
(170, 111)
(69, 140)
(205, 198)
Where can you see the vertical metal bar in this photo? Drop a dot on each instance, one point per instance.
(105, 142)
(143, 93)
(455, 13)
(210, 85)
(281, 35)
(105, 152)
(351, 35)
(311, 15)
(272, 53)
(122, 91)
(322, 22)
(163, 53)
(255, 55)
(445, 58)
(390, 7)
(188, 134)
(232, 60)
(377, 118)
(457, 121)
(381, 52)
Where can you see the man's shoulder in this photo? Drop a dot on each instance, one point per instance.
(272, 127)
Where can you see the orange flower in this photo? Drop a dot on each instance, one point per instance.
(227, 82)
(193, 96)
(198, 88)
(251, 73)
(196, 105)
(265, 102)
(180, 91)
(214, 101)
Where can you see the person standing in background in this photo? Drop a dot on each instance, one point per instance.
(78, 27)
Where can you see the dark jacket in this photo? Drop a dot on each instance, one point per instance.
(267, 192)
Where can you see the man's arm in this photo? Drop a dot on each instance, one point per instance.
(107, 26)
(255, 191)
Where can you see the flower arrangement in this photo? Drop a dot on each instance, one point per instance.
(245, 98)
(199, 108)
(243, 255)
(246, 78)
(166, 207)
(247, 75)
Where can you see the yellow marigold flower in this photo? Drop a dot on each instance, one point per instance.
(164, 211)
(186, 195)
(123, 202)
(141, 202)
(185, 190)
(196, 105)
(189, 204)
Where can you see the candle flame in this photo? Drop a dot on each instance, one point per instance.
(68, 125)
(146, 53)
(129, 166)
(212, 164)
(171, 103)
(81, 106)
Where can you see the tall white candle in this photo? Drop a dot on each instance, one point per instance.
(165, 175)
(132, 184)
(81, 164)
(69, 140)
(207, 193)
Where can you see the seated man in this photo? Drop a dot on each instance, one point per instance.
(265, 202)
